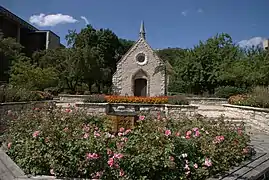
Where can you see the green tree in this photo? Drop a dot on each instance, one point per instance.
(29, 76)
(9, 50)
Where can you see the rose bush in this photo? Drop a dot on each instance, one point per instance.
(70, 143)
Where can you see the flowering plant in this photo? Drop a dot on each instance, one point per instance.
(69, 143)
(178, 100)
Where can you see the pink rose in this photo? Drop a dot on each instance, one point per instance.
(96, 134)
(118, 156)
(208, 162)
(178, 134)
(51, 171)
(90, 156)
(86, 128)
(120, 134)
(97, 175)
(121, 129)
(195, 129)
(127, 131)
(9, 145)
(187, 173)
(187, 167)
(68, 110)
(195, 166)
(245, 150)
(171, 158)
(188, 133)
(197, 133)
(141, 118)
(218, 139)
(109, 152)
(110, 162)
(125, 139)
(121, 172)
(35, 134)
(46, 140)
(187, 137)
(167, 132)
(86, 135)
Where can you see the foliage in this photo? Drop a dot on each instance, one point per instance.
(29, 76)
(14, 94)
(9, 51)
(53, 90)
(69, 143)
(178, 100)
(227, 91)
(96, 98)
(239, 100)
(215, 63)
(259, 97)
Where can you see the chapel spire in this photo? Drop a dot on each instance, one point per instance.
(142, 32)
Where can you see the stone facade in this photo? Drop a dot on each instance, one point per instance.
(140, 62)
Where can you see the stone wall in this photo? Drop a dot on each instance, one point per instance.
(207, 101)
(193, 100)
(258, 118)
(173, 111)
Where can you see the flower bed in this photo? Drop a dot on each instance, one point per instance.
(259, 97)
(69, 143)
(176, 100)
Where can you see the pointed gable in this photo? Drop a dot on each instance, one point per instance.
(141, 58)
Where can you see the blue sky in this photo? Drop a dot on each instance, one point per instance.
(168, 23)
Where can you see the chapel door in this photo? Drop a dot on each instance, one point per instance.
(140, 87)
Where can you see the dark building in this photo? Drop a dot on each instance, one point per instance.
(31, 38)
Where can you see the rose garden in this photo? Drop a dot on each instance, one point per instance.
(61, 118)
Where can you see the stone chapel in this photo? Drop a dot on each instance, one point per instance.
(140, 72)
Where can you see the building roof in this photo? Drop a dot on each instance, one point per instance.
(10, 15)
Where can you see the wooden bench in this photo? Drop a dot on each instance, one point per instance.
(255, 169)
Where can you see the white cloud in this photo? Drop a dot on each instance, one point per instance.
(43, 20)
(200, 10)
(184, 13)
(85, 19)
(255, 41)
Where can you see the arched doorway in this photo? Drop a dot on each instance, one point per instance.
(140, 87)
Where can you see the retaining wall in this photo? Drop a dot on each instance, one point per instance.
(257, 118)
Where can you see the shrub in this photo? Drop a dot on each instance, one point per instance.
(178, 100)
(13, 94)
(227, 91)
(96, 98)
(53, 90)
(239, 100)
(87, 93)
(68, 143)
(259, 97)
